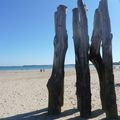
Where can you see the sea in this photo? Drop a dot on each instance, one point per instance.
(31, 67)
(42, 67)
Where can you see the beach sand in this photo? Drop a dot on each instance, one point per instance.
(24, 95)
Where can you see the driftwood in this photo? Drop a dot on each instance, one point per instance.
(81, 43)
(110, 96)
(56, 82)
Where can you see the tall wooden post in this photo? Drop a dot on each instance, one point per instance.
(81, 43)
(95, 55)
(110, 96)
(76, 38)
(56, 82)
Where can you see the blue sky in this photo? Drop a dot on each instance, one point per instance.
(27, 30)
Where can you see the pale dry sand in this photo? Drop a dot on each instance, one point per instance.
(24, 96)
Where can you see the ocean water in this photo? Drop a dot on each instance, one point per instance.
(25, 67)
(31, 67)
(43, 67)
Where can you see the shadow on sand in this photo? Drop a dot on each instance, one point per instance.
(43, 115)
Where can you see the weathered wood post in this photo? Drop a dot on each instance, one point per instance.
(56, 82)
(110, 96)
(81, 43)
(76, 38)
(95, 55)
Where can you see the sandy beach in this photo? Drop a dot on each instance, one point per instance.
(24, 95)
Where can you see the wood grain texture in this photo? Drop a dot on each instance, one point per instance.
(56, 82)
(110, 96)
(81, 44)
(95, 56)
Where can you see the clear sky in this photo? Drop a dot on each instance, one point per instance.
(27, 30)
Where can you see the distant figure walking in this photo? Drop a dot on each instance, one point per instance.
(42, 70)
